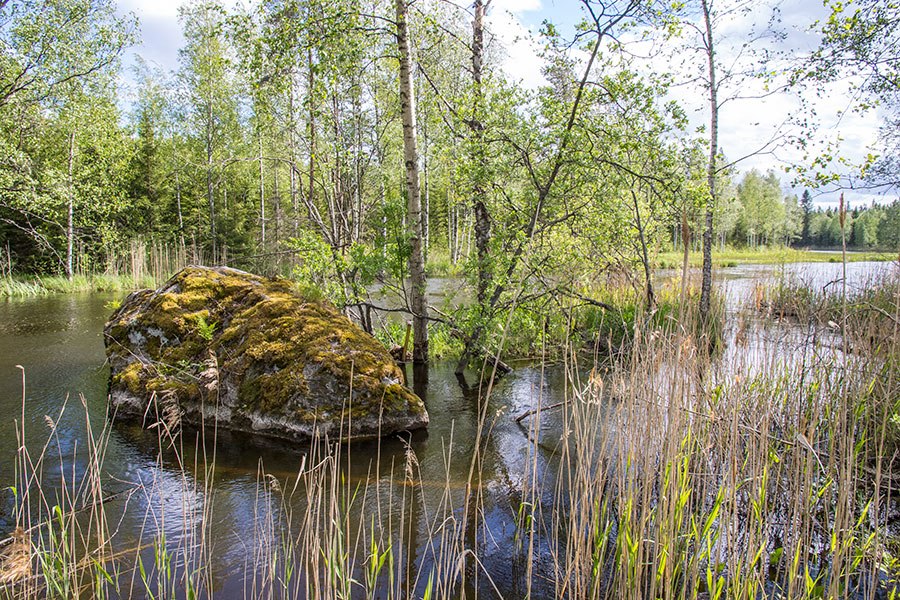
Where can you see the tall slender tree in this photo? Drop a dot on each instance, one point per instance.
(709, 43)
(543, 175)
(726, 80)
(414, 199)
(56, 57)
(205, 74)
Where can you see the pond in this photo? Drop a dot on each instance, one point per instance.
(53, 386)
(58, 343)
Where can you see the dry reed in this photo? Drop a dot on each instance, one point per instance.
(765, 470)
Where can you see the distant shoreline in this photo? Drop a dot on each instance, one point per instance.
(732, 257)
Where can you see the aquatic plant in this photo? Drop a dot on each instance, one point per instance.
(866, 312)
(765, 469)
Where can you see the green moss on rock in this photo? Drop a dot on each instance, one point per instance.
(278, 361)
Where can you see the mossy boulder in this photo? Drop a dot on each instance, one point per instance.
(218, 345)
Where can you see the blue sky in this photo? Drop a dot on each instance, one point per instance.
(160, 31)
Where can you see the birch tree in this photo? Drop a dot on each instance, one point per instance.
(547, 159)
(207, 78)
(414, 200)
(728, 77)
(56, 57)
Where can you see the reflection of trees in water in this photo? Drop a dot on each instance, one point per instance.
(497, 489)
(421, 515)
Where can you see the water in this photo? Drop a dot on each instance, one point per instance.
(57, 342)
(739, 280)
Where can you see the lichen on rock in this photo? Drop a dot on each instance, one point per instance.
(253, 354)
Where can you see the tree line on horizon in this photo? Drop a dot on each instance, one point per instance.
(756, 213)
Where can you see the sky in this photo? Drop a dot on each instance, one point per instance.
(160, 32)
(745, 125)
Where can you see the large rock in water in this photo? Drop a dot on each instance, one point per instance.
(253, 354)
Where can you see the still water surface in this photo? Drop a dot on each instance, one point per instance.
(57, 342)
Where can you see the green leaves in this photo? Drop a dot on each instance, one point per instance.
(52, 47)
(341, 277)
(60, 139)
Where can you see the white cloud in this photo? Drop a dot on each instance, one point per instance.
(747, 123)
(521, 61)
(153, 9)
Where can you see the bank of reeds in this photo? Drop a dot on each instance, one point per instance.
(866, 311)
(773, 479)
(46, 285)
(764, 255)
(143, 265)
(766, 471)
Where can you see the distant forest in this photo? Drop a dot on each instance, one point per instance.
(281, 134)
(756, 213)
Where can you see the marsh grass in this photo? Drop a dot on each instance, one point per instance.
(46, 285)
(681, 474)
(732, 489)
(442, 343)
(438, 264)
(866, 311)
(730, 257)
(142, 265)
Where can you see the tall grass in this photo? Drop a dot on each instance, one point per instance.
(773, 480)
(438, 264)
(767, 470)
(144, 265)
(46, 285)
(730, 256)
(60, 546)
(867, 310)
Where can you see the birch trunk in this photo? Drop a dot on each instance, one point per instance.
(482, 218)
(357, 167)
(262, 195)
(312, 136)
(414, 200)
(276, 206)
(706, 282)
(178, 199)
(473, 340)
(427, 207)
(70, 224)
(210, 197)
(650, 299)
(451, 227)
(337, 204)
(293, 155)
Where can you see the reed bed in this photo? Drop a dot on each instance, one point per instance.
(767, 470)
(775, 255)
(866, 311)
(774, 481)
(145, 264)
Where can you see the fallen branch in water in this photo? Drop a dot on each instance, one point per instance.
(535, 411)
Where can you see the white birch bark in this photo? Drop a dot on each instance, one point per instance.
(414, 200)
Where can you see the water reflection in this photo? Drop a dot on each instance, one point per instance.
(420, 487)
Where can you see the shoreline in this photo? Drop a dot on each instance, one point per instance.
(21, 286)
